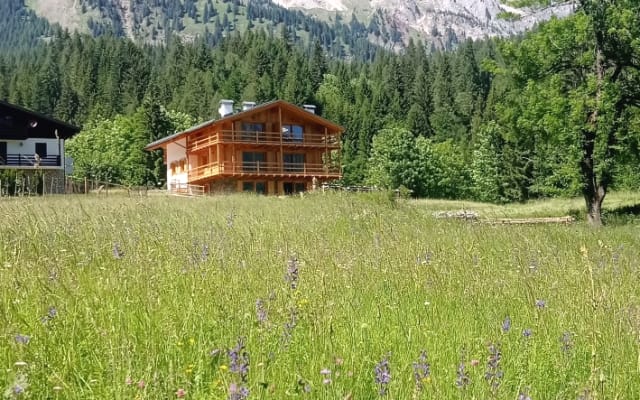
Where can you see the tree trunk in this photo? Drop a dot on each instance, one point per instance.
(595, 184)
(594, 200)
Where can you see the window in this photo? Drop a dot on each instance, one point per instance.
(293, 187)
(292, 133)
(293, 162)
(253, 161)
(252, 131)
(41, 149)
(256, 187)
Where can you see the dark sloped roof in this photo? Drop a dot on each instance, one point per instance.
(18, 123)
(261, 107)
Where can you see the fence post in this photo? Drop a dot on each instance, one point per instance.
(86, 185)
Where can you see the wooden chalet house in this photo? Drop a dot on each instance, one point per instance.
(272, 148)
(33, 144)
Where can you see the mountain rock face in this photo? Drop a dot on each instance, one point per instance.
(430, 19)
(439, 23)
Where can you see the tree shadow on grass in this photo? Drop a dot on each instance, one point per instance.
(629, 214)
(623, 215)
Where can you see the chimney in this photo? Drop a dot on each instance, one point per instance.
(248, 105)
(226, 108)
(310, 107)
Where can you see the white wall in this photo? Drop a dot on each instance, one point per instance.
(175, 152)
(28, 147)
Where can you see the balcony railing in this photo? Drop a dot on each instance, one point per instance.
(24, 160)
(263, 169)
(266, 138)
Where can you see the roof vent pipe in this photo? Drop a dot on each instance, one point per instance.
(226, 108)
(248, 105)
(310, 107)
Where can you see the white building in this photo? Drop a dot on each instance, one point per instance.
(32, 145)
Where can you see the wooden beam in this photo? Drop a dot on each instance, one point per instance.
(281, 144)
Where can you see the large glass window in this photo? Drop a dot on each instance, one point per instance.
(252, 131)
(293, 162)
(252, 161)
(257, 187)
(292, 133)
(293, 187)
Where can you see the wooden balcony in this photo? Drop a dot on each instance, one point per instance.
(251, 170)
(29, 161)
(317, 140)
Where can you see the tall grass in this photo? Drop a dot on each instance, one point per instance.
(120, 298)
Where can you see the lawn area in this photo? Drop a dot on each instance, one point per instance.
(335, 296)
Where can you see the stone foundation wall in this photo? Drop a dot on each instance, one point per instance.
(32, 182)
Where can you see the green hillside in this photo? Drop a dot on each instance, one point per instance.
(151, 21)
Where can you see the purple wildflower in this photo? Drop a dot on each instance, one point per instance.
(261, 313)
(462, 379)
(230, 218)
(382, 375)
(290, 325)
(204, 254)
(541, 303)
(585, 395)
(117, 252)
(238, 393)
(494, 374)
(17, 389)
(52, 312)
(22, 339)
(506, 324)
(239, 360)
(421, 370)
(524, 395)
(566, 341)
(527, 333)
(291, 277)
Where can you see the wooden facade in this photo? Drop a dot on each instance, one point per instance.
(274, 148)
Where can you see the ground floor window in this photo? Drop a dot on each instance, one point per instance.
(256, 187)
(293, 187)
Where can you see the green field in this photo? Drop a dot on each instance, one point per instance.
(146, 298)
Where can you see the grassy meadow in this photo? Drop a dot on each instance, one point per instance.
(337, 296)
